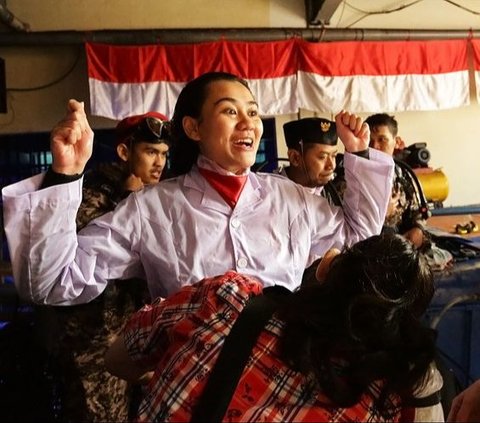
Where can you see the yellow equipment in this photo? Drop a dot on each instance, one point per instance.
(434, 184)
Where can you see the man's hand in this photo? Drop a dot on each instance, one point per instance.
(71, 141)
(415, 236)
(133, 183)
(352, 131)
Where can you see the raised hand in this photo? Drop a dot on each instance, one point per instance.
(352, 131)
(71, 141)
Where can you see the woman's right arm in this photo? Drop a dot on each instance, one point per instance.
(50, 264)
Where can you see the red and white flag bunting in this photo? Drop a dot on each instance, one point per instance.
(285, 75)
(384, 76)
(476, 65)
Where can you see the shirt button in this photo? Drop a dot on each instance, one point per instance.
(235, 223)
(242, 262)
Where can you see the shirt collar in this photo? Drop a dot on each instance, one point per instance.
(206, 163)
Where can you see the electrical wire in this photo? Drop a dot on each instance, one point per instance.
(458, 366)
(409, 174)
(341, 14)
(457, 300)
(466, 9)
(450, 304)
(383, 12)
(367, 13)
(54, 82)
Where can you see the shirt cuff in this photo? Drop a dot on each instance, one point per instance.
(363, 153)
(53, 178)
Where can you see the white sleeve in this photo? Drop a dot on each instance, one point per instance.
(50, 263)
(368, 191)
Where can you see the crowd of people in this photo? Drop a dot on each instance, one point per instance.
(346, 342)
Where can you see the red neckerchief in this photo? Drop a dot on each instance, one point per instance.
(228, 186)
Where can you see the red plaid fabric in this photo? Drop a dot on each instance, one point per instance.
(182, 337)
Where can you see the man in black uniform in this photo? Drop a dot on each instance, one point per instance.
(312, 149)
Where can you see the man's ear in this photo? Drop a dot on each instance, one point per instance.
(123, 152)
(294, 157)
(399, 143)
(190, 126)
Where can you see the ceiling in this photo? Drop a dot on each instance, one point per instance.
(327, 20)
(394, 14)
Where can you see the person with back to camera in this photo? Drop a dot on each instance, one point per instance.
(312, 149)
(89, 392)
(216, 215)
(349, 348)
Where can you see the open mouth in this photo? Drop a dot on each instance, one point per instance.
(327, 176)
(246, 143)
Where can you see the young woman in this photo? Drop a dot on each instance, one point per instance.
(349, 348)
(215, 216)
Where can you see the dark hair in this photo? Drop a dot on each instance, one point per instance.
(184, 151)
(367, 315)
(382, 119)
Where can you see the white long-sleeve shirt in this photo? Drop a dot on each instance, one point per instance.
(181, 230)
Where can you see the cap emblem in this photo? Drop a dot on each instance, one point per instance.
(325, 126)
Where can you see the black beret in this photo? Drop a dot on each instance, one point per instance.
(310, 130)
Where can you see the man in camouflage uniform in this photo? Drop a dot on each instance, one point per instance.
(88, 391)
(403, 214)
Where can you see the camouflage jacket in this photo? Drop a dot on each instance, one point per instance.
(102, 191)
(404, 210)
(88, 392)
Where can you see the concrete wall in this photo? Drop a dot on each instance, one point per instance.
(36, 101)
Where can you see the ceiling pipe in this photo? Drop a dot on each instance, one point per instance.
(186, 36)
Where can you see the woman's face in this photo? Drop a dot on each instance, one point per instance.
(229, 128)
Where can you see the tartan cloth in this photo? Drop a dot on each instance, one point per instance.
(181, 338)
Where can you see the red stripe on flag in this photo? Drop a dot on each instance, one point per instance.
(138, 64)
(181, 63)
(476, 54)
(383, 58)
